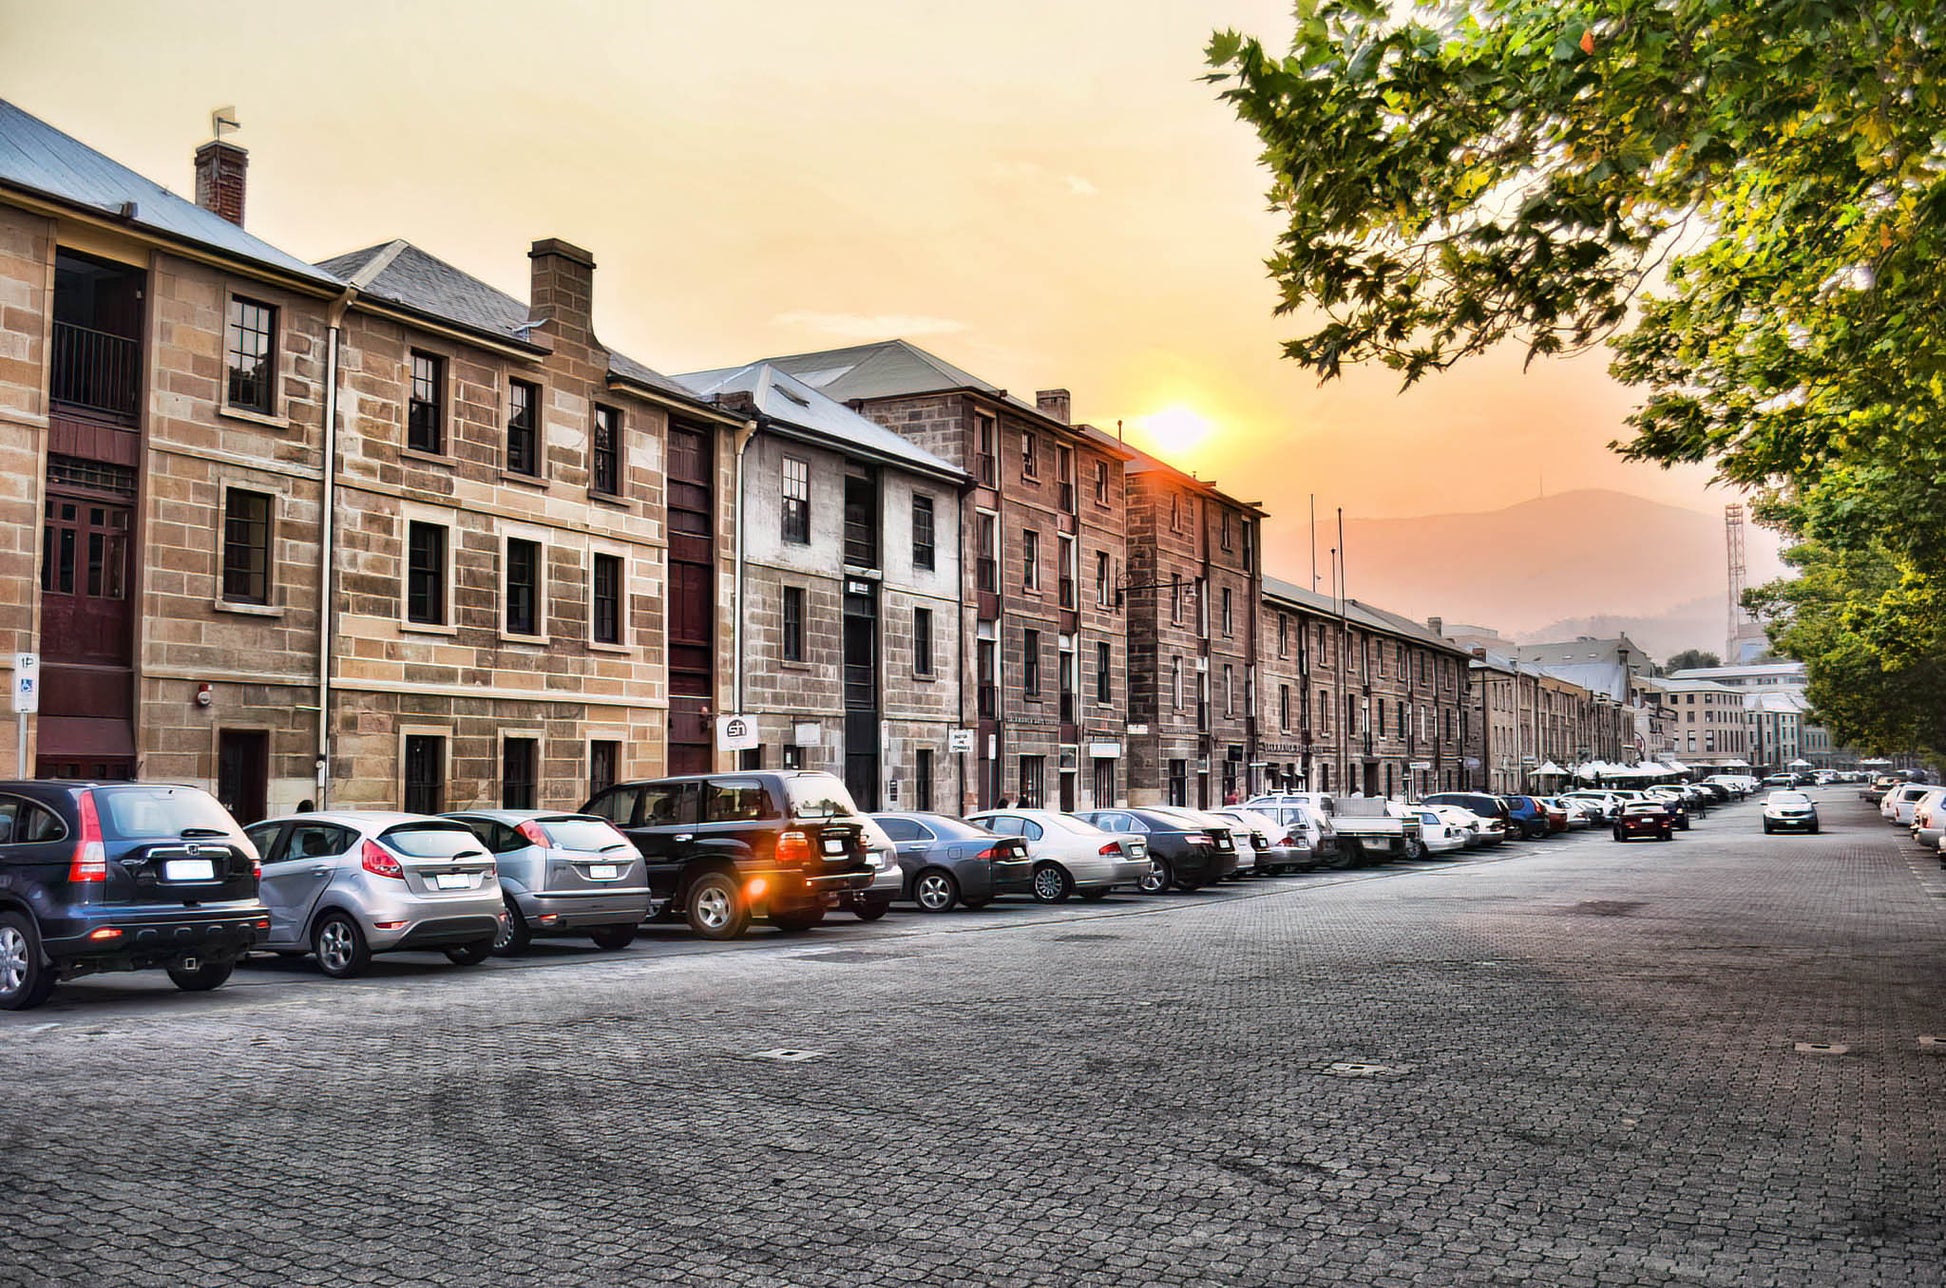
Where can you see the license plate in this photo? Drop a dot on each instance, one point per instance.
(834, 845)
(603, 872)
(189, 870)
(452, 881)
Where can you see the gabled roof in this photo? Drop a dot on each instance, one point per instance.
(403, 275)
(1362, 614)
(883, 369)
(37, 158)
(792, 405)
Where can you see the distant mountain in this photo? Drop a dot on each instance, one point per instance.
(1544, 565)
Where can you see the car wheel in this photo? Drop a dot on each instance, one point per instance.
(975, 905)
(934, 890)
(470, 954)
(1666, 836)
(203, 978)
(796, 923)
(1814, 829)
(716, 907)
(1051, 883)
(612, 938)
(1620, 835)
(1768, 829)
(25, 979)
(1093, 895)
(1158, 878)
(514, 937)
(871, 910)
(340, 946)
(1414, 849)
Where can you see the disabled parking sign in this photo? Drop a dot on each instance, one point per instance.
(27, 683)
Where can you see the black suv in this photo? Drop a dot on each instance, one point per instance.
(121, 876)
(723, 848)
(1184, 852)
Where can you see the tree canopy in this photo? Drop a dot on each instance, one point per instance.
(1746, 201)
(1690, 659)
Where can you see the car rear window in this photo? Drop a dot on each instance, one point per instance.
(589, 834)
(128, 813)
(955, 830)
(818, 796)
(428, 841)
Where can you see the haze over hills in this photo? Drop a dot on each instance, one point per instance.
(1552, 566)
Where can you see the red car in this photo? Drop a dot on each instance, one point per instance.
(1645, 820)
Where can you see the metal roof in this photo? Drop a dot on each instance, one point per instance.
(883, 369)
(785, 400)
(1363, 614)
(35, 157)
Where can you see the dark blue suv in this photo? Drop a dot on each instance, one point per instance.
(121, 876)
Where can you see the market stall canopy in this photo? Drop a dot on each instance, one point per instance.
(1799, 763)
(1550, 770)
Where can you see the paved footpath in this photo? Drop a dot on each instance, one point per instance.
(1578, 1064)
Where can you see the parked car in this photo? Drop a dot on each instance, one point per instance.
(724, 849)
(1439, 834)
(1786, 811)
(1302, 822)
(945, 861)
(1375, 829)
(1645, 819)
(1607, 805)
(1240, 858)
(1672, 801)
(1072, 854)
(1487, 806)
(121, 876)
(888, 878)
(1279, 850)
(1929, 819)
(343, 885)
(1898, 803)
(1482, 833)
(1874, 792)
(1184, 853)
(562, 874)
(1527, 817)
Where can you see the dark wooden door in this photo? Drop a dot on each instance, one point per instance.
(243, 773)
(691, 606)
(87, 615)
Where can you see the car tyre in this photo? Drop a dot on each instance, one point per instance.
(871, 910)
(796, 923)
(1158, 878)
(934, 890)
(1814, 829)
(470, 954)
(26, 979)
(1414, 849)
(1768, 829)
(203, 978)
(1052, 884)
(716, 907)
(1620, 835)
(340, 947)
(515, 937)
(612, 938)
(974, 905)
(1094, 894)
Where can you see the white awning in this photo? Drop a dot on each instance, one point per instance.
(1550, 770)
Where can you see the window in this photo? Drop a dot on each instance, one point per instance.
(1067, 568)
(983, 447)
(604, 765)
(425, 774)
(922, 780)
(1175, 680)
(793, 623)
(1175, 601)
(1228, 524)
(1283, 706)
(425, 418)
(1030, 662)
(1104, 592)
(1101, 482)
(797, 501)
(737, 800)
(1030, 459)
(425, 591)
(1064, 472)
(1229, 690)
(246, 547)
(523, 432)
(1179, 783)
(922, 641)
(1031, 768)
(523, 588)
(1227, 620)
(250, 354)
(1030, 558)
(987, 564)
(922, 533)
(1104, 674)
(519, 765)
(605, 469)
(1175, 514)
(607, 615)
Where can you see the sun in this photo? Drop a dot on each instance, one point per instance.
(1175, 432)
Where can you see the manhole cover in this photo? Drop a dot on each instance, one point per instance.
(789, 1055)
(1822, 1048)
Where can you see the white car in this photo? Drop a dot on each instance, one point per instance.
(1899, 802)
(1070, 856)
(1282, 850)
(1439, 832)
(1480, 832)
(1789, 810)
(1608, 803)
(1929, 818)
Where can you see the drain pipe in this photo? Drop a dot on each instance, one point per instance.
(743, 437)
(327, 536)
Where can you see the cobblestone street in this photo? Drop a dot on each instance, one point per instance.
(1717, 1061)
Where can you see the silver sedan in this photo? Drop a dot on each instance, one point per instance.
(1070, 856)
(562, 874)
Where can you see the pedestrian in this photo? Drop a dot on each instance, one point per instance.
(1232, 798)
(1004, 803)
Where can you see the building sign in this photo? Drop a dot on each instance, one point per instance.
(1420, 764)
(808, 733)
(959, 740)
(1471, 762)
(735, 733)
(1105, 750)
(1137, 730)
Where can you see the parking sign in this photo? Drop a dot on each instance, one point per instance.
(27, 683)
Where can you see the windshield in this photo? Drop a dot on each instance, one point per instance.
(590, 834)
(1789, 798)
(1063, 823)
(131, 812)
(818, 796)
(431, 841)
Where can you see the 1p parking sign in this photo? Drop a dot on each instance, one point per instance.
(27, 683)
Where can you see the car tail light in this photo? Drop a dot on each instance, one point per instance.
(90, 860)
(793, 847)
(375, 859)
(1289, 840)
(1113, 847)
(532, 831)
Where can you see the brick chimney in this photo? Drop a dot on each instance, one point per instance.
(562, 291)
(1055, 403)
(1436, 625)
(220, 168)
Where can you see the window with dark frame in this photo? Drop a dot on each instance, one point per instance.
(922, 780)
(425, 594)
(425, 423)
(1104, 591)
(606, 470)
(519, 768)
(793, 623)
(1283, 706)
(1104, 674)
(923, 554)
(425, 774)
(797, 501)
(922, 641)
(523, 587)
(983, 447)
(246, 546)
(1030, 557)
(604, 765)
(1030, 454)
(250, 355)
(1030, 663)
(607, 606)
(1101, 482)
(523, 428)
(1032, 772)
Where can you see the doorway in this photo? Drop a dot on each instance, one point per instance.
(243, 773)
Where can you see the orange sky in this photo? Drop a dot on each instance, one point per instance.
(1043, 192)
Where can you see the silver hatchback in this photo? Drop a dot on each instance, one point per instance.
(346, 884)
(562, 874)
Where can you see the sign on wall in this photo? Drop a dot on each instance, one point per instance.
(959, 740)
(735, 733)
